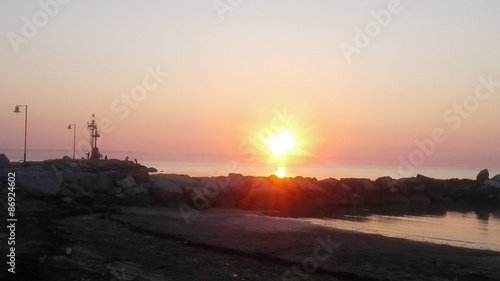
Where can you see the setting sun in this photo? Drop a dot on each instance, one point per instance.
(281, 143)
(280, 172)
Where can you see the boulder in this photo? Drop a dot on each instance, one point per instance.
(182, 181)
(233, 190)
(75, 188)
(396, 199)
(496, 178)
(4, 162)
(136, 196)
(69, 162)
(65, 192)
(329, 184)
(361, 186)
(166, 192)
(96, 183)
(390, 185)
(39, 184)
(127, 182)
(312, 193)
(115, 191)
(341, 198)
(460, 191)
(483, 175)
(419, 201)
(356, 200)
(386, 184)
(266, 197)
(141, 176)
(492, 183)
(433, 188)
(485, 195)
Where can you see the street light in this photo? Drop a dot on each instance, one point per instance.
(16, 110)
(74, 137)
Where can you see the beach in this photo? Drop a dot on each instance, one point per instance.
(111, 220)
(157, 244)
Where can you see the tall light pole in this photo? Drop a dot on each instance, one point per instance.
(16, 110)
(74, 137)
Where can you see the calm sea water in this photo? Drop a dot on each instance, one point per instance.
(477, 230)
(318, 171)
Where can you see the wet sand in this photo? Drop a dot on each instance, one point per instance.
(156, 243)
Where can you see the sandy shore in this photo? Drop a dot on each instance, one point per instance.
(347, 254)
(157, 243)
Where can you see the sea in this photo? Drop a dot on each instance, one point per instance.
(478, 229)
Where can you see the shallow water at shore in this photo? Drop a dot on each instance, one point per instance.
(475, 230)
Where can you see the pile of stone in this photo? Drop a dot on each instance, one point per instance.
(107, 182)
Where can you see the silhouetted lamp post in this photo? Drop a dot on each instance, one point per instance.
(74, 137)
(16, 110)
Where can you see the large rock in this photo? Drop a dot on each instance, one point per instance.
(4, 162)
(127, 182)
(112, 165)
(434, 189)
(419, 201)
(496, 178)
(266, 197)
(181, 180)
(361, 186)
(483, 175)
(39, 184)
(396, 199)
(386, 184)
(461, 191)
(135, 196)
(492, 183)
(484, 195)
(96, 183)
(312, 193)
(356, 200)
(329, 184)
(233, 190)
(166, 190)
(341, 198)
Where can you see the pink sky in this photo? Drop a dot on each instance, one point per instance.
(228, 75)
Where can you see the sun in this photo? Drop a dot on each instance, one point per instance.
(281, 143)
(280, 172)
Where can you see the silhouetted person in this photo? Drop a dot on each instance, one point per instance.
(126, 158)
(135, 160)
(106, 157)
(88, 155)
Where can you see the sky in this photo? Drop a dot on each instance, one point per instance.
(408, 83)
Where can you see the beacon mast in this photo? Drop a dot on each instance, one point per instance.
(94, 134)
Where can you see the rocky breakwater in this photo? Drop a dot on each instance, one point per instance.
(299, 195)
(115, 182)
(82, 182)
